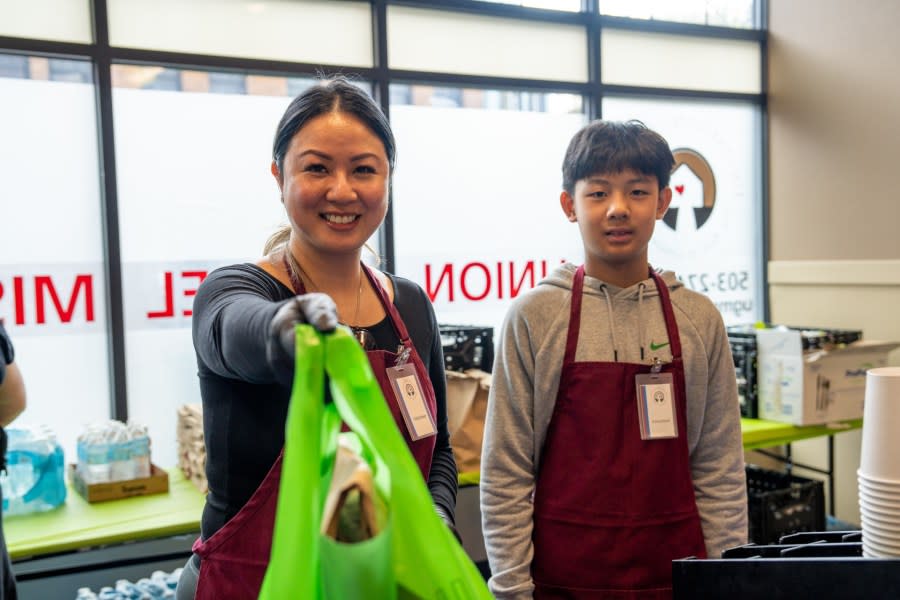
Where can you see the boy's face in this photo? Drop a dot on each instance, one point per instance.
(616, 214)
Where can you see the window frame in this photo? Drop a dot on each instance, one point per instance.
(102, 56)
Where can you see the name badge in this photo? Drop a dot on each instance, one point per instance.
(656, 406)
(408, 392)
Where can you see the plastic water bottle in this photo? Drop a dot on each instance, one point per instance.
(113, 451)
(35, 473)
(93, 455)
(108, 593)
(120, 466)
(140, 450)
(85, 593)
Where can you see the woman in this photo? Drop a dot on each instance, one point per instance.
(333, 157)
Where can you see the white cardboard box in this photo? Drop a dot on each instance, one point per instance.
(816, 387)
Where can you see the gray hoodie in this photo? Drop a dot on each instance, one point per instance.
(615, 322)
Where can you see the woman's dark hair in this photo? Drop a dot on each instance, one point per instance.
(332, 94)
(613, 147)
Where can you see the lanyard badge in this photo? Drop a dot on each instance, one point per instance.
(408, 393)
(656, 404)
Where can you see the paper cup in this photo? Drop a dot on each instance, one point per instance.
(881, 535)
(875, 529)
(879, 503)
(874, 548)
(880, 452)
(880, 493)
(875, 551)
(879, 483)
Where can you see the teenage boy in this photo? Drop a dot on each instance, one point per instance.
(612, 442)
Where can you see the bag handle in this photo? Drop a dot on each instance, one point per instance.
(299, 514)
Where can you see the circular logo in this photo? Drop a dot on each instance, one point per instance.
(659, 396)
(693, 186)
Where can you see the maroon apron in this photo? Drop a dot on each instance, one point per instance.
(234, 558)
(611, 511)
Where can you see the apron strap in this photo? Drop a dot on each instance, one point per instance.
(574, 315)
(669, 314)
(388, 306)
(296, 282)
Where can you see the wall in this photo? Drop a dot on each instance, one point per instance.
(834, 139)
(834, 108)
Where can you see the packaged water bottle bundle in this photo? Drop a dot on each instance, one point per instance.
(113, 451)
(34, 480)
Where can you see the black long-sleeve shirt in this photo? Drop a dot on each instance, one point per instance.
(245, 407)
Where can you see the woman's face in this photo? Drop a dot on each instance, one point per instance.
(334, 183)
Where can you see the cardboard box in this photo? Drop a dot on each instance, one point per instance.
(157, 483)
(467, 395)
(814, 387)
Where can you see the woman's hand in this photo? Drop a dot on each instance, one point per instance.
(314, 308)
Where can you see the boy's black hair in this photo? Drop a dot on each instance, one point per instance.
(614, 146)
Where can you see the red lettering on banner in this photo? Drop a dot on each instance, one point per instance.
(463, 279)
(44, 282)
(528, 270)
(446, 273)
(200, 275)
(499, 286)
(19, 300)
(169, 310)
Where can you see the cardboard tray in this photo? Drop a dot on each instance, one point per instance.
(157, 483)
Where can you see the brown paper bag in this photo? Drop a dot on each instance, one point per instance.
(353, 511)
(461, 390)
(466, 439)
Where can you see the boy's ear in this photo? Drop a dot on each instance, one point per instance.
(662, 205)
(567, 203)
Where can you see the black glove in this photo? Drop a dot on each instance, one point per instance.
(448, 522)
(314, 308)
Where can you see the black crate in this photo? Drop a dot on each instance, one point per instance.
(781, 503)
(467, 347)
(745, 369)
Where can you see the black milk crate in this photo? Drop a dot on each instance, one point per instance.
(467, 347)
(745, 369)
(782, 503)
(742, 339)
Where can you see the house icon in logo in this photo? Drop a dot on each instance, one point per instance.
(693, 186)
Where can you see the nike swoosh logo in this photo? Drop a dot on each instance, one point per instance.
(655, 347)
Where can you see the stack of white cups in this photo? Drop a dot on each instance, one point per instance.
(879, 465)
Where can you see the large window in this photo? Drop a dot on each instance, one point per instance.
(477, 219)
(709, 236)
(52, 288)
(134, 158)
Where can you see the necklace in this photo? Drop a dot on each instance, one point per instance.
(293, 268)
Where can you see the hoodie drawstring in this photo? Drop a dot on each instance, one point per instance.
(641, 287)
(612, 327)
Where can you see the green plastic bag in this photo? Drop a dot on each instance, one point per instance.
(415, 556)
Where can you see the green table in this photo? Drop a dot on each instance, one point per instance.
(757, 433)
(78, 524)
